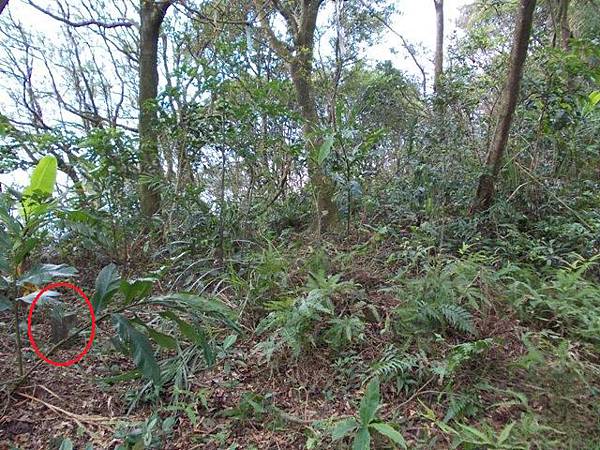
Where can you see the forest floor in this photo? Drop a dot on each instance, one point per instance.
(244, 402)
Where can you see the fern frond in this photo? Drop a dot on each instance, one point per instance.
(457, 317)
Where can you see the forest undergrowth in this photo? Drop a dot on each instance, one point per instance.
(481, 345)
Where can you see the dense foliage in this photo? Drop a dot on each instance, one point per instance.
(283, 247)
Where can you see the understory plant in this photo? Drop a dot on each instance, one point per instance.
(362, 428)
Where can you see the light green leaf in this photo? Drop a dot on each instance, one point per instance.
(505, 433)
(325, 150)
(343, 428)
(43, 177)
(595, 98)
(66, 444)
(362, 440)
(370, 402)
(140, 348)
(107, 284)
(41, 184)
(390, 433)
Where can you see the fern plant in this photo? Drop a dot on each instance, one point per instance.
(395, 365)
(438, 300)
(292, 323)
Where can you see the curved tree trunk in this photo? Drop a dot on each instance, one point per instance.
(152, 15)
(487, 181)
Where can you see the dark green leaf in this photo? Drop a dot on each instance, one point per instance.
(136, 289)
(140, 348)
(107, 283)
(195, 335)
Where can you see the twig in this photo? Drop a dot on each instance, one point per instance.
(85, 23)
(416, 394)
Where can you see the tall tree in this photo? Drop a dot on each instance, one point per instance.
(487, 180)
(152, 15)
(301, 21)
(439, 43)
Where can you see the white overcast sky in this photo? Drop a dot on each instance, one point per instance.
(415, 21)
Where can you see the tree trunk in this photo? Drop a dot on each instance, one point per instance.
(563, 24)
(439, 44)
(486, 189)
(151, 18)
(300, 59)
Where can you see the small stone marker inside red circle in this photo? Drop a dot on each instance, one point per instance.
(90, 341)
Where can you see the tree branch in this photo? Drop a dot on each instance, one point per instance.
(84, 23)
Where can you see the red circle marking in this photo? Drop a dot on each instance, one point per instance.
(92, 334)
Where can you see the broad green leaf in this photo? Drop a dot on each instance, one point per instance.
(390, 433)
(136, 289)
(43, 177)
(370, 402)
(162, 339)
(362, 440)
(595, 98)
(195, 335)
(140, 348)
(41, 185)
(44, 273)
(343, 429)
(107, 284)
(325, 149)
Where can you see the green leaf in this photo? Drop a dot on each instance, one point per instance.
(505, 433)
(195, 335)
(390, 433)
(343, 428)
(4, 303)
(140, 348)
(43, 177)
(162, 339)
(107, 284)
(362, 441)
(44, 273)
(595, 98)
(370, 402)
(199, 304)
(136, 289)
(325, 149)
(66, 444)
(41, 184)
